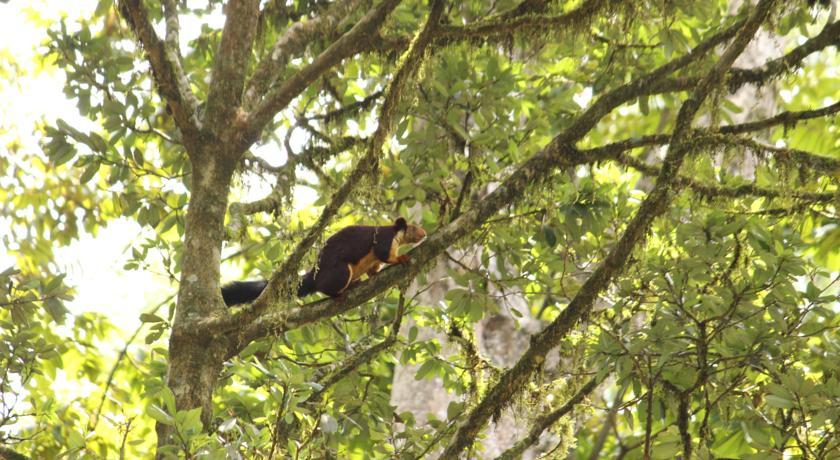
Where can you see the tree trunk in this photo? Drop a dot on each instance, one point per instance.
(195, 358)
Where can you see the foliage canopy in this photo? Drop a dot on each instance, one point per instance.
(661, 217)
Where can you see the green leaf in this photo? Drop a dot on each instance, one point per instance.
(189, 421)
(733, 445)
(454, 409)
(643, 104)
(168, 399)
(778, 402)
(89, 172)
(151, 318)
(427, 369)
(75, 440)
(227, 425)
(159, 415)
(550, 236)
(56, 309)
(138, 156)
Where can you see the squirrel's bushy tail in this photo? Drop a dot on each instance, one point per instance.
(239, 292)
(307, 284)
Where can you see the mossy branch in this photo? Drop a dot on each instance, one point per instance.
(736, 78)
(729, 135)
(173, 50)
(518, 20)
(545, 421)
(166, 71)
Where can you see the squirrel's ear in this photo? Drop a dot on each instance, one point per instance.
(400, 224)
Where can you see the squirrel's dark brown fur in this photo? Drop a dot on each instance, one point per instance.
(355, 251)
(345, 257)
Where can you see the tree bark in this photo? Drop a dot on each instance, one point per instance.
(195, 358)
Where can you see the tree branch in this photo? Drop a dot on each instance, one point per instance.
(342, 112)
(714, 190)
(784, 118)
(9, 454)
(170, 79)
(512, 381)
(545, 421)
(618, 152)
(782, 154)
(349, 44)
(349, 365)
(231, 62)
(828, 36)
(516, 20)
(173, 49)
(293, 41)
(740, 77)
(727, 135)
(284, 173)
(173, 27)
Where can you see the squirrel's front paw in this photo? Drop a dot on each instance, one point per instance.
(404, 259)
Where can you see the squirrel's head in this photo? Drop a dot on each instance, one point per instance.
(411, 233)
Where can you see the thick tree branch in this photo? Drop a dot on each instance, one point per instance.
(173, 27)
(517, 20)
(512, 381)
(296, 38)
(170, 79)
(520, 19)
(349, 44)
(9, 454)
(231, 62)
(545, 421)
